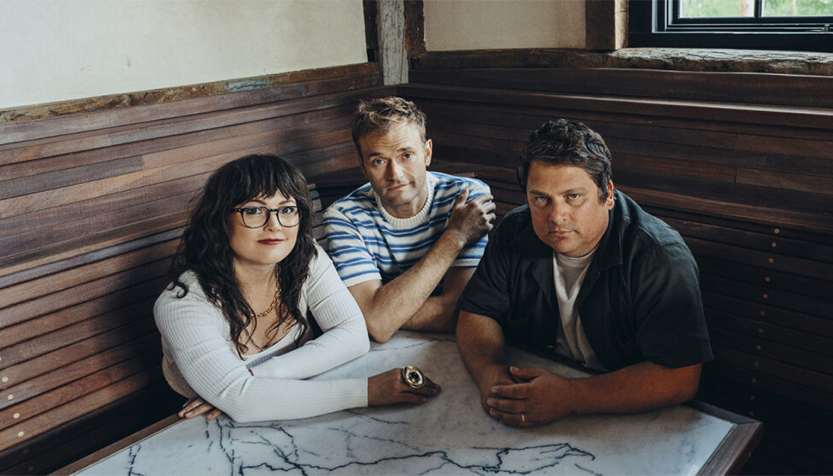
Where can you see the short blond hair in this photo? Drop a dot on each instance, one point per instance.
(378, 115)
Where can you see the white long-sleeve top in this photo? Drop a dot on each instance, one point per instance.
(200, 357)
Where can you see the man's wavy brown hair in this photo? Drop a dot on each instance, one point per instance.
(379, 115)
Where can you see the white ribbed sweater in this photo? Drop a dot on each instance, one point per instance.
(200, 359)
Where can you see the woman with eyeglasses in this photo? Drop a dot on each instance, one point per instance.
(234, 321)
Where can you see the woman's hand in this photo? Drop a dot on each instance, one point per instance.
(388, 388)
(196, 407)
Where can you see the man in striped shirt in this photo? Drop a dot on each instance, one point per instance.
(407, 242)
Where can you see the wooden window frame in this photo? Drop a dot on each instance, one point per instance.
(656, 23)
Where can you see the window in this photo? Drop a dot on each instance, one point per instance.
(803, 25)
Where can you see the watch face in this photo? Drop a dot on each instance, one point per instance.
(413, 377)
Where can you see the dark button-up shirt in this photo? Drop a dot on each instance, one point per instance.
(640, 299)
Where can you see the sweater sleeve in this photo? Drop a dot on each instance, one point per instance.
(335, 310)
(196, 343)
(349, 252)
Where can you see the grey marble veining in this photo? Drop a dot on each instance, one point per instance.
(448, 435)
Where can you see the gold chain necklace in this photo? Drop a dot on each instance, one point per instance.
(266, 313)
(274, 302)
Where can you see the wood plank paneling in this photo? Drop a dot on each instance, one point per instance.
(750, 88)
(67, 279)
(108, 330)
(82, 293)
(98, 378)
(645, 127)
(71, 124)
(797, 339)
(113, 305)
(91, 210)
(44, 422)
(767, 278)
(68, 449)
(740, 163)
(765, 313)
(22, 392)
(42, 454)
(789, 116)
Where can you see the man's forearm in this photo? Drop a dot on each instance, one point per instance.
(398, 301)
(637, 388)
(439, 312)
(482, 348)
(542, 396)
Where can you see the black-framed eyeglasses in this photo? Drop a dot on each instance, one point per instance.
(258, 217)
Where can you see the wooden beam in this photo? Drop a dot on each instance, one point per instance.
(600, 24)
(414, 27)
(371, 34)
(392, 56)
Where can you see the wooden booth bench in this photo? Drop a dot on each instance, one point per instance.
(92, 205)
(91, 209)
(740, 163)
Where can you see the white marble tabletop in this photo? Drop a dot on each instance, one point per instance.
(448, 435)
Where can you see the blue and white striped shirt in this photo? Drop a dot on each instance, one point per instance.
(367, 243)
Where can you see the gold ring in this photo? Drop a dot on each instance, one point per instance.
(413, 377)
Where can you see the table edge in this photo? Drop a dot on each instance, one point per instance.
(117, 446)
(741, 441)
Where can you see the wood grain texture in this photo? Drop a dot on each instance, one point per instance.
(20, 131)
(742, 440)
(70, 343)
(739, 163)
(531, 117)
(67, 279)
(66, 392)
(718, 319)
(792, 116)
(47, 451)
(754, 345)
(126, 141)
(59, 451)
(765, 313)
(76, 409)
(112, 305)
(768, 278)
(414, 28)
(665, 59)
(749, 88)
(83, 292)
(91, 210)
(728, 368)
(763, 295)
(58, 378)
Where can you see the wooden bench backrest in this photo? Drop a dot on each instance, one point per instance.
(741, 164)
(91, 210)
(91, 206)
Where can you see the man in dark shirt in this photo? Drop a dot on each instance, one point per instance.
(583, 272)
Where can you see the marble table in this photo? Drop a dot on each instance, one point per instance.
(448, 435)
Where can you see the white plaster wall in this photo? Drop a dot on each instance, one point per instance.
(502, 24)
(53, 50)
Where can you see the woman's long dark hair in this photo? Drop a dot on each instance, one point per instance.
(205, 248)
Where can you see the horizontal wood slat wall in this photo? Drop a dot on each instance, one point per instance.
(91, 209)
(741, 164)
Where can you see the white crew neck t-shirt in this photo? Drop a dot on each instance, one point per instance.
(569, 273)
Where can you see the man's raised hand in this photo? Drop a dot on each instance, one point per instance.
(470, 221)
